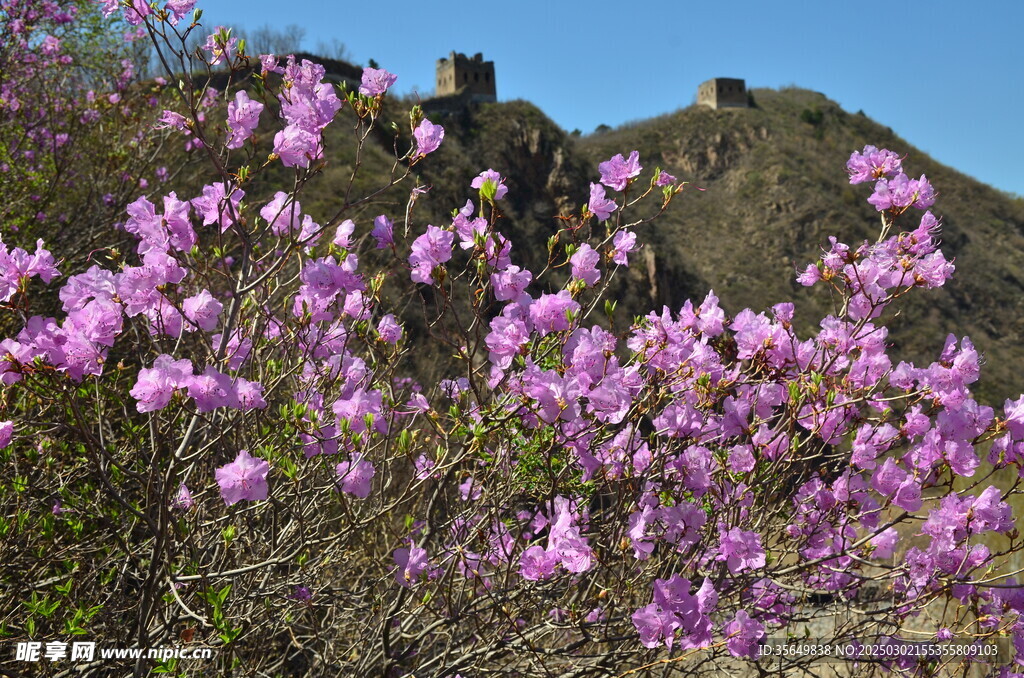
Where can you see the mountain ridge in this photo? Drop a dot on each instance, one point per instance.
(774, 190)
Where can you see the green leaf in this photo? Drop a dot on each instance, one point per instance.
(404, 441)
(488, 190)
(229, 635)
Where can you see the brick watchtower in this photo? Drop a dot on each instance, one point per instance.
(723, 93)
(459, 74)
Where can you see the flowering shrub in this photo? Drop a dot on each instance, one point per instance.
(76, 138)
(257, 470)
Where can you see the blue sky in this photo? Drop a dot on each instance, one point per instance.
(946, 76)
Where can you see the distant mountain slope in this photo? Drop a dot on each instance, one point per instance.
(775, 190)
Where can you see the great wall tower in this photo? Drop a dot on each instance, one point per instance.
(723, 93)
(459, 75)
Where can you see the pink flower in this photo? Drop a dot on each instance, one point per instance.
(584, 264)
(510, 283)
(537, 564)
(601, 207)
(425, 466)
(376, 81)
(676, 609)
(389, 330)
(183, 500)
(220, 45)
(243, 118)
(136, 12)
(6, 433)
(236, 351)
(418, 403)
(268, 64)
(17, 265)
(50, 45)
(505, 340)
(283, 213)
(301, 594)
(180, 233)
(741, 550)
(744, 634)
(356, 408)
(250, 395)
(470, 490)
(872, 163)
(665, 179)
(885, 543)
(179, 8)
(156, 385)
(411, 563)
(244, 478)
(623, 243)
(548, 313)
(109, 7)
(296, 146)
(211, 390)
(429, 251)
(617, 172)
(203, 309)
(383, 232)
(428, 137)
(343, 235)
(810, 275)
(354, 476)
(308, 103)
(213, 207)
(901, 192)
(491, 185)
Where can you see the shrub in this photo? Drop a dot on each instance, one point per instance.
(231, 452)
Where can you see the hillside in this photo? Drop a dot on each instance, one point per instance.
(775, 189)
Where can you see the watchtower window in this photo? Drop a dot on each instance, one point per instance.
(465, 77)
(487, 77)
(476, 77)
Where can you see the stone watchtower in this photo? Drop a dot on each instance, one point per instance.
(458, 74)
(722, 93)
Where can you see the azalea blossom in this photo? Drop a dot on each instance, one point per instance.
(428, 137)
(244, 478)
(376, 81)
(617, 172)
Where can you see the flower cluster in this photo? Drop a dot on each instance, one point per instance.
(894, 190)
(308, 104)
